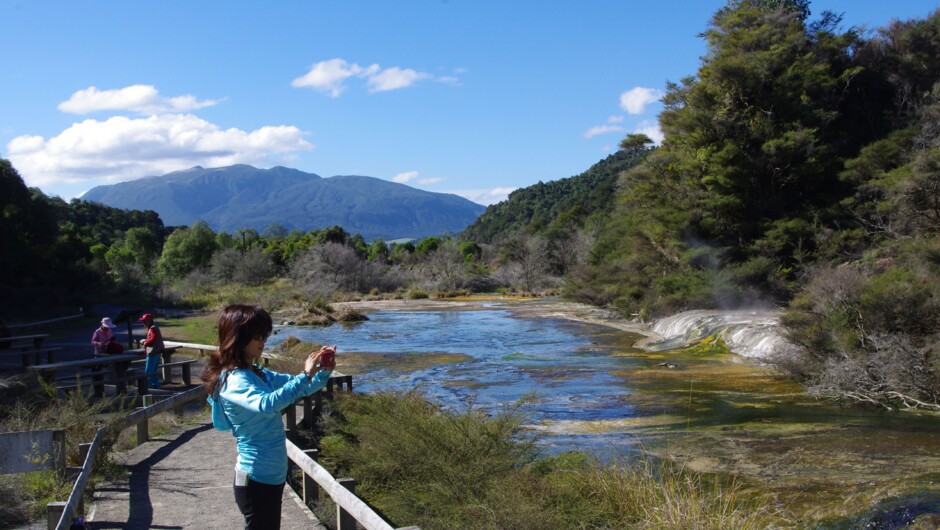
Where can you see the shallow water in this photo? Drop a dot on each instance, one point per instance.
(712, 411)
(568, 365)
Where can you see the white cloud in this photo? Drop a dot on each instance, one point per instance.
(394, 78)
(651, 129)
(485, 197)
(602, 129)
(402, 178)
(331, 76)
(409, 176)
(615, 119)
(123, 148)
(144, 99)
(636, 99)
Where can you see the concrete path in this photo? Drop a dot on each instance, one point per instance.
(182, 480)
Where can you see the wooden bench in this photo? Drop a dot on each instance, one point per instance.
(166, 368)
(99, 378)
(166, 365)
(116, 370)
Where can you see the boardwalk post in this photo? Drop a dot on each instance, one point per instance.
(345, 520)
(143, 426)
(54, 511)
(59, 450)
(309, 420)
(291, 413)
(311, 488)
(83, 450)
(317, 403)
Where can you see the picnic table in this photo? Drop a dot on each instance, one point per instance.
(13, 342)
(25, 347)
(165, 366)
(118, 365)
(30, 356)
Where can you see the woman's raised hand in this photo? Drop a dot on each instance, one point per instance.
(324, 358)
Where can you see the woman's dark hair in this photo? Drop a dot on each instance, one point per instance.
(238, 325)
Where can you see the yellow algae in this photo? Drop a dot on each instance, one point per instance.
(364, 362)
(631, 425)
(471, 384)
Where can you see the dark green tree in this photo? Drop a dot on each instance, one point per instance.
(187, 249)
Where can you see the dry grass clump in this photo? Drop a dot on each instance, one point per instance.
(440, 469)
(27, 405)
(321, 313)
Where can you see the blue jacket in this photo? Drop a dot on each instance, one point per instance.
(251, 410)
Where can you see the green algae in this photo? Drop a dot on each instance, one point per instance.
(714, 412)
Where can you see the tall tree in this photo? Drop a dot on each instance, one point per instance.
(728, 207)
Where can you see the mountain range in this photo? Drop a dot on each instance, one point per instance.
(242, 196)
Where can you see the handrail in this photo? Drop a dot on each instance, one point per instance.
(43, 322)
(150, 411)
(68, 508)
(190, 345)
(345, 499)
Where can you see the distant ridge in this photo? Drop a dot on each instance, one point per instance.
(535, 207)
(242, 196)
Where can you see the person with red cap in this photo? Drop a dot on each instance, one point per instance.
(153, 348)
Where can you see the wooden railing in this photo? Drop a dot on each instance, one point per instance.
(350, 509)
(203, 349)
(59, 515)
(26, 325)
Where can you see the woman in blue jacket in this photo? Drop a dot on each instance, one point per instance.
(247, 400)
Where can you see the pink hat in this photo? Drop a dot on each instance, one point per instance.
(145, 317)
(106, 322)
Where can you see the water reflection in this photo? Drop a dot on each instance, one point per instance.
(567, 365)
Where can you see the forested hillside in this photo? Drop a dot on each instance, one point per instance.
(576, 198)
(56, 253)
(801, 164)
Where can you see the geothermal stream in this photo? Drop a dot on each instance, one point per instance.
(749, 333)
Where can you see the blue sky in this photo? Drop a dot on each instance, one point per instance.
(469, 97)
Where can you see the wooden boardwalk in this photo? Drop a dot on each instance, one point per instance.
(182, 480)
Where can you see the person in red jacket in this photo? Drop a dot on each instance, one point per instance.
(153, 348)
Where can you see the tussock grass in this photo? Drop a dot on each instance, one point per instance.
(27, 405)
(289, 356)
(418, 464)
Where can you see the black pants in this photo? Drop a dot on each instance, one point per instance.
(260, 504)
